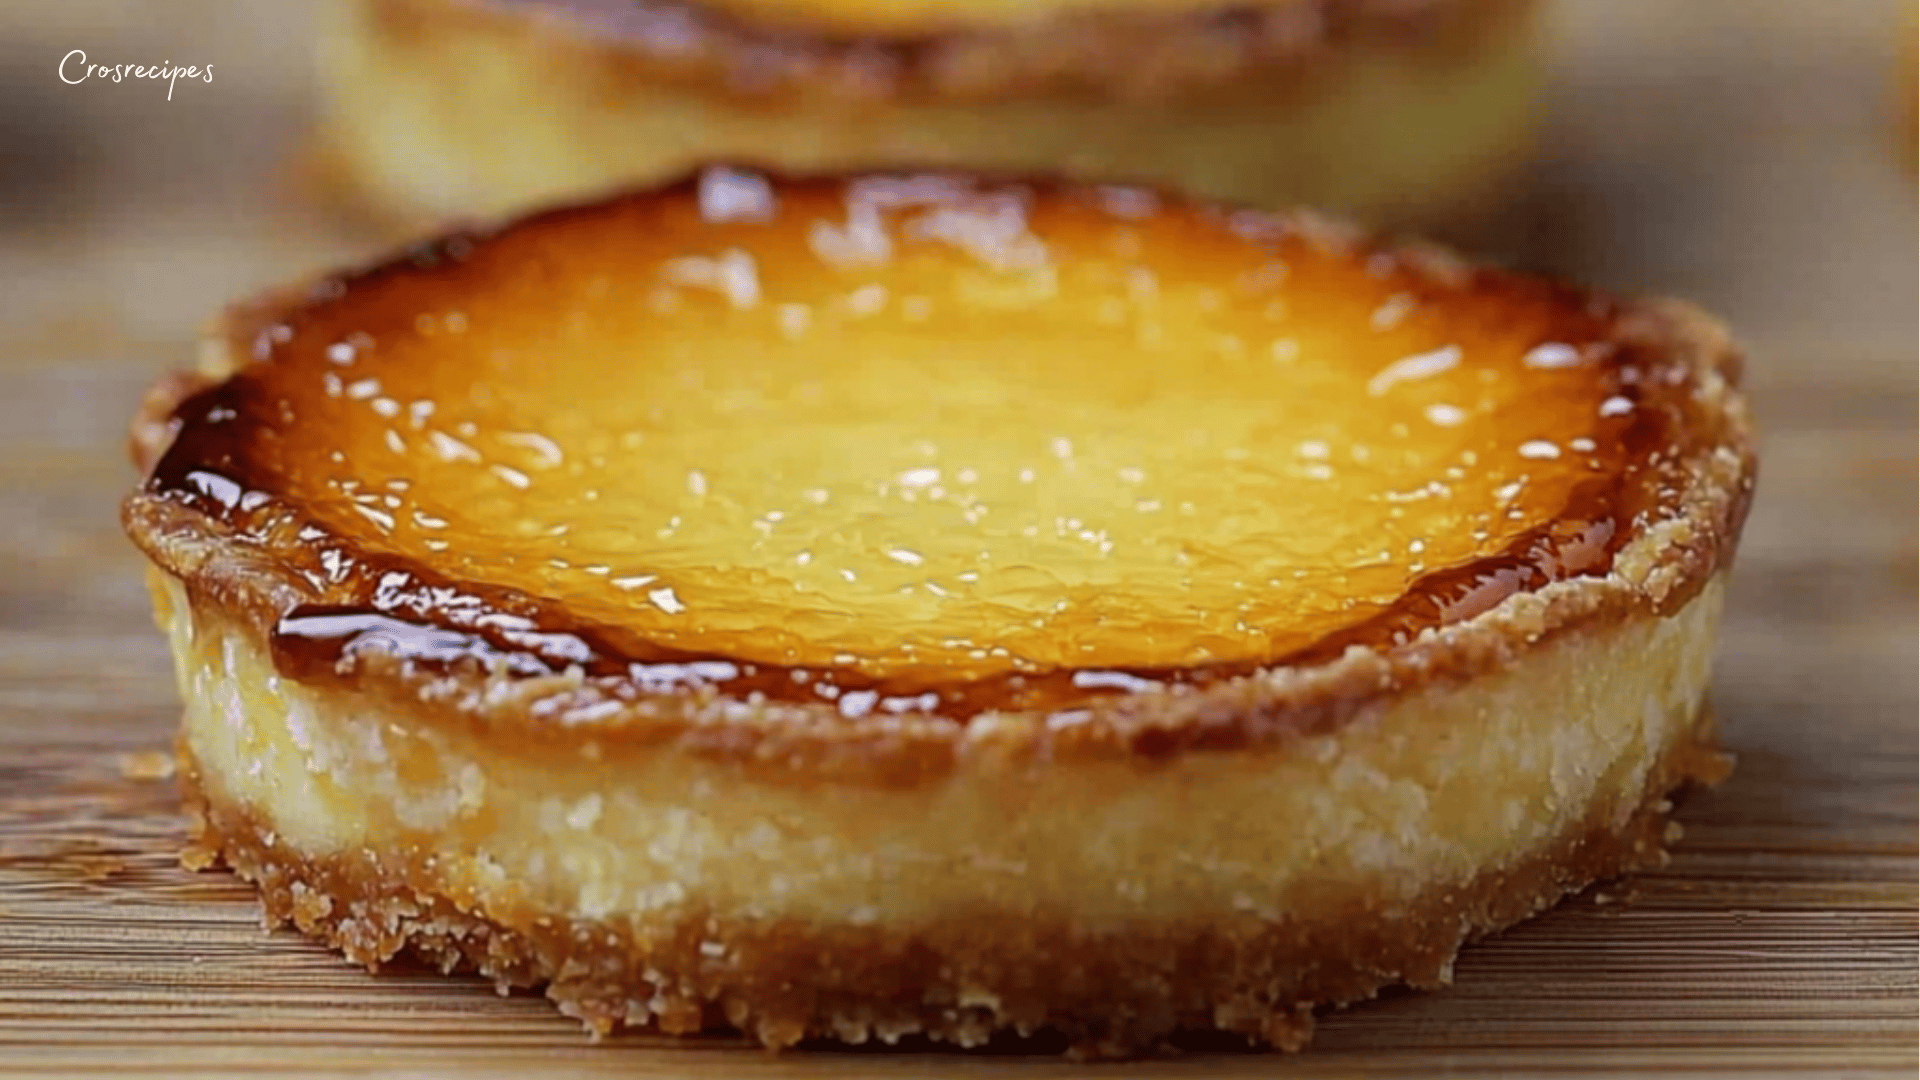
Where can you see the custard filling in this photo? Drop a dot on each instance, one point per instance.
(1421, 793)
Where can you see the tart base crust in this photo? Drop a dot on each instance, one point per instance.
(1112, 996)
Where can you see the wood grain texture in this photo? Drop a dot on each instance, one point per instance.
(1741, 152)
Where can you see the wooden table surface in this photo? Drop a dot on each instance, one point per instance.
(1740, 152)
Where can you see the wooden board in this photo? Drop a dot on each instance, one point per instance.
(1737, 151)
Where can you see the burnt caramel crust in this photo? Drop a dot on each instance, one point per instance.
(1665, 551)
(1208, 52)
(1118, 994)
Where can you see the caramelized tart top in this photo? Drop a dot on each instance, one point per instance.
(929, 444)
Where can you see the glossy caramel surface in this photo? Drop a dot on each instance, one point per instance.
(907, 436)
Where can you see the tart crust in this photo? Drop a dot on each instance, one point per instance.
(1408, 115)
(1127, 993)
(1295, 836)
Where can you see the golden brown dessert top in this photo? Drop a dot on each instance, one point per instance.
(926, 444)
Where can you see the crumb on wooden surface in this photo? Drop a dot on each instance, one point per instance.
(147, 765)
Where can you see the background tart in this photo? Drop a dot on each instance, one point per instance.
(930, 603)
(1414, 114)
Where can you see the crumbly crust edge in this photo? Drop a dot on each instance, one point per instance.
(1654, 573)
(1113, 995)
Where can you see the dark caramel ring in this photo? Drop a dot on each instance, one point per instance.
(1040, 605)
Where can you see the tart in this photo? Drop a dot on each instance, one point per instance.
(864, 606)
(1417, 115)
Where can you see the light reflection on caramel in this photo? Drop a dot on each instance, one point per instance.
(922, 432)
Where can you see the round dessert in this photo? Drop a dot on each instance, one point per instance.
(1415, 114)
(891, 604)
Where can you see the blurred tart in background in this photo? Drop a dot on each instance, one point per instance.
(1909, 106)
(1407, 114)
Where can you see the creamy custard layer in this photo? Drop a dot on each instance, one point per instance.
(1422, 792)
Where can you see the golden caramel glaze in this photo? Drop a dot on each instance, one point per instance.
(985, 50)
(932, 446)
